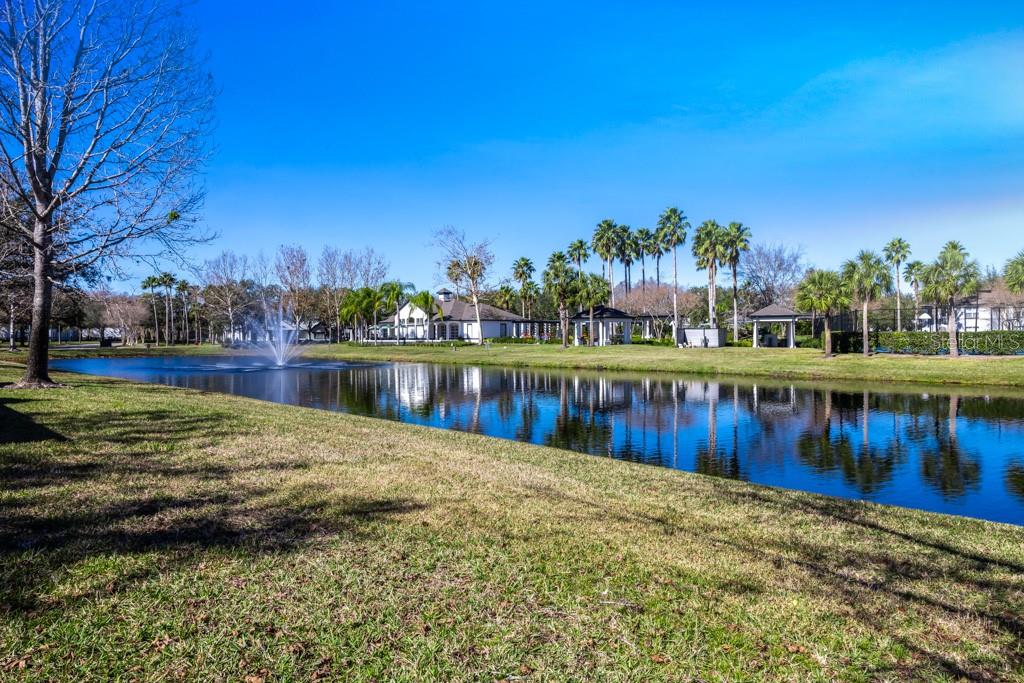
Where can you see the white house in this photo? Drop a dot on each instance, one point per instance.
(457, 320)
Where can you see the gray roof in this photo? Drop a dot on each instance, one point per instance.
(462, 311)
(603, 313)
(774, 311)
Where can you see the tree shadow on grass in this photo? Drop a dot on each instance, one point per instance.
(909, 571)
(16, 427)
(123, 488)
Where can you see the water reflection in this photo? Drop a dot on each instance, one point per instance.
(949, 453)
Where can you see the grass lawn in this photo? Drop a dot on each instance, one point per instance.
(780, 363)
(154, 533)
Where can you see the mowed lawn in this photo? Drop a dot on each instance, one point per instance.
(151, 533)
(780, 363)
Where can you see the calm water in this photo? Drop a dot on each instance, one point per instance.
(959, 454)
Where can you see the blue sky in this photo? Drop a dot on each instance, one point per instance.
(834, 128)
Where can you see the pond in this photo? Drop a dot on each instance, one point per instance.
(959, 453)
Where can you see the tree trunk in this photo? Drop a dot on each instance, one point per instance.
(828, 337)
(611, 283)
(657, 270)
(864, 333)
(590, 330)
(675, 298)
(10, 324)
(564, 315)
(156, 323)
(899, 317)
(37, 368)
(643, 275)
(954, 351)
(735, 310)
(479, 325)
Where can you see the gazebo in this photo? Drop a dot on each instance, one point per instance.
(774, 313)
(606, 319)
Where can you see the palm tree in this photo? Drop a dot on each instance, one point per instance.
(656, 249)
(578, 252)
(152, 283)
(708, 249)
(867, 278)
(737, 241)
(167, 281)
(592, 292)
(561, 283)
(426, 302)
(392, 296)
(954, 274)
(1013, 273)
(626, 249)
(183, 289)
(823, 292)
(913, 274)
(644, 240)
(672, 227)
(896, 253)
(530, 293)
(522, 271)
(604, 244)
(505, 297)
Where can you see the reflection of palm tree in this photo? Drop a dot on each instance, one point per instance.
(1015, 479)
(946, 467)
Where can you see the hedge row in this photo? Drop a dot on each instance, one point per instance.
(994, 343)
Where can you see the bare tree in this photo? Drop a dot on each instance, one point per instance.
(292, 266)
(104, 113)
(369, 269)
(771, 273)
(225, 290)
(331, 277)
(471, 260)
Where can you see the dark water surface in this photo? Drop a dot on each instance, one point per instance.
(960, 453)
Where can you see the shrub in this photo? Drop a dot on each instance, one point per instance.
(995, 342)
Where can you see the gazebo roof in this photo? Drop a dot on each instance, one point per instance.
(603, 313)
(775, 311)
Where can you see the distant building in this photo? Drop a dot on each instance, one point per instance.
(457, 320)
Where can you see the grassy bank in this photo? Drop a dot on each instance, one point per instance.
(781, 363)
(155, 533)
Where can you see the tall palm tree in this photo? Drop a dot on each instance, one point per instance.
(913, 273)
(644, 240)
(578, 252)
(1013, 273)
(708, 249)
(954, 274)
(167, 281)
(530, 294)
(737, 241)
(656, 249)
(392, 295)
(426, 302)
(824, 292)
(184, 290)
(561, 283)
(522, 272)
(896, 253)
(592, 292)
(625, 247)
(672, 227)
(604, 243)
(867, 277)
(152, 283)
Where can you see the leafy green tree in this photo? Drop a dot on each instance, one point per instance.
(896, 253)
(672, 227)
(1013, 273)
(824, 292)
(530, 293)
(737, 241)
(592, 292)
(627, 248)
(167, 281)
(709, 250)
(953, 274)
(867, 277)
(522, 272)
(561, 283)
(426, 302)
(913, 273)
(505, 297)
(605, 243)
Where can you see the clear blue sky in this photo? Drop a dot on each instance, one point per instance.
(373, 123)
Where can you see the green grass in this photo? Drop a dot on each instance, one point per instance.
(151, 533)
(808, 364)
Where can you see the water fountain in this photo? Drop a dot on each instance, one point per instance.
(281, 341)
